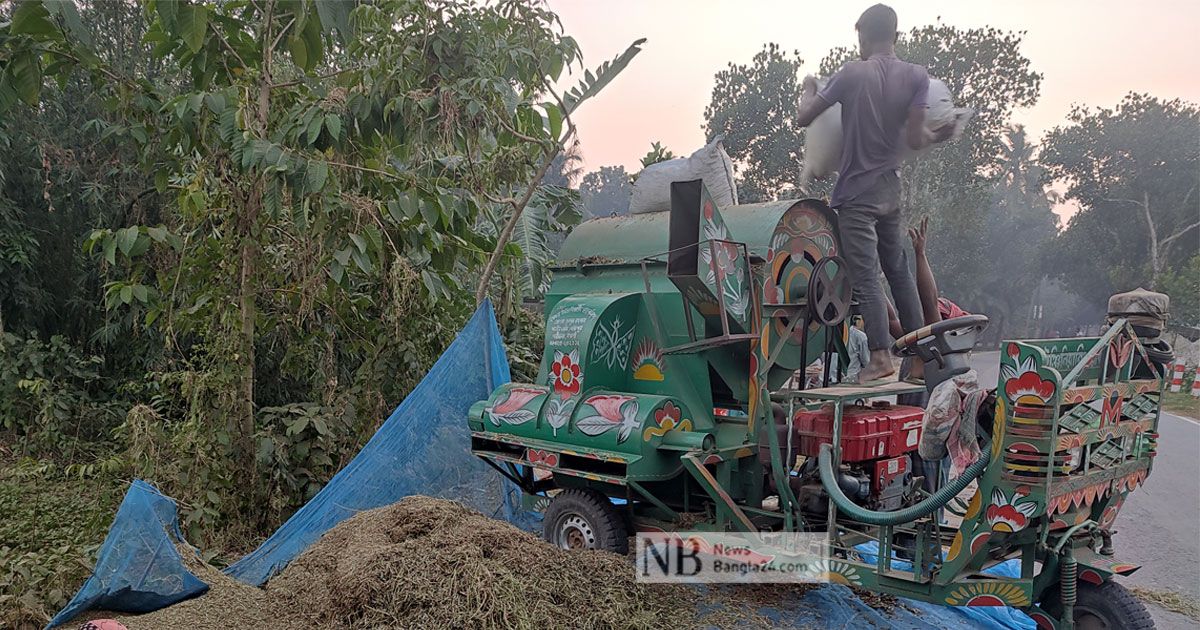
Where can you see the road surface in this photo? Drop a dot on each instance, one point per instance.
(1159, 526)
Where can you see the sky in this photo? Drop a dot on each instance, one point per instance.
(1090, 52)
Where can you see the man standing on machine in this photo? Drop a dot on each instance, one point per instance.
(883, 105)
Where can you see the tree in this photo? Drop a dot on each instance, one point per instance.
(753, 106)
(1132, 170)
(1183, 286)
(606, 192)
(321, 189)
(1018, 224)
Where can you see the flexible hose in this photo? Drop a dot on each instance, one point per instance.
(930, 505)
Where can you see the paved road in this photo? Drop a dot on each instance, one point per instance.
(1159, 526)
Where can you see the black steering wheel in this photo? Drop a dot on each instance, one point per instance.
(949, 336)
(829, 291)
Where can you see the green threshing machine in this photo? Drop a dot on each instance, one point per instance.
(671, 339)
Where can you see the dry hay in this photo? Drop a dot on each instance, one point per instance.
(431, 563)
(227, 604)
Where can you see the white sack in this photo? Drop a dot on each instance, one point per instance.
(652, 190)
(823, 138)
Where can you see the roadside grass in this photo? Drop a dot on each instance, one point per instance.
(1182, 404)
(1169, 600)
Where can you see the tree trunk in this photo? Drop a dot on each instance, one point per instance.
(247, 307)
(1155, 263)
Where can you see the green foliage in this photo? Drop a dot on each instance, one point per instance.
(606, 192)
(51, 529)
(754, 106)
(658, 153)
(1132, 170)
(1183, 285)
(53, 398)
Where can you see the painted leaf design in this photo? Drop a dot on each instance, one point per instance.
(595, 425)
(520, 416)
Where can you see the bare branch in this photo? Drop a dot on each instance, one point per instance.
(326, 75)
(226, 45)
(1181, 232)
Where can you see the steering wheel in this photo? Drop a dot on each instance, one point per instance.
(949, 336)
(829, 291)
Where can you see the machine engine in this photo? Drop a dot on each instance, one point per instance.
(878, 445)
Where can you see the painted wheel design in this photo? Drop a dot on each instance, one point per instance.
(1108, 606)
(585, 519)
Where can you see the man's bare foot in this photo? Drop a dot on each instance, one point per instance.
(879, 367)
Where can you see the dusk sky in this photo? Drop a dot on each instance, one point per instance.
(1090, 52)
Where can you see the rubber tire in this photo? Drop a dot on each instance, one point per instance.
(1119, 607)
(596, 510)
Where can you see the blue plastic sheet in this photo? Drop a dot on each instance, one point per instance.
(422, 448)
(991, 617)
(138, 568)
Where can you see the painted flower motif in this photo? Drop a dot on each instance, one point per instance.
(612, 411)
(668, 412)
(545, 458)
(667, 418)
(566, 373)
(511, 409)
(558, 412)
(1119, 351)
(1009, 516)
(1029, 388)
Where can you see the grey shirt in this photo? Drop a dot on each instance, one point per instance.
(876, 96)
(860, 354)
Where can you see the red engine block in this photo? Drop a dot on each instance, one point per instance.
(868, 433)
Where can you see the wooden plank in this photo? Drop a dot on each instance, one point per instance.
(851, 392)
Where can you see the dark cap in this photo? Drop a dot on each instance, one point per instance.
(877, 23)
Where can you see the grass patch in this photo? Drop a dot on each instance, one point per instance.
(1169, 600)
(1181, 404)
(49, 535)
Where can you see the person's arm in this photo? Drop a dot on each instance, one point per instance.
(914, 128)
(813, 103)
(894, 327)
(810, 109)
(926, 284)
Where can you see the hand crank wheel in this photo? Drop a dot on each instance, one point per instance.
(829, 291)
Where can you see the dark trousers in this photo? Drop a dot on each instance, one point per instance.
(872, 235)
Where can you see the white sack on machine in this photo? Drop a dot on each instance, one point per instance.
(823, 137)
(652, 190)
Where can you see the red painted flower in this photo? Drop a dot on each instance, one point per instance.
(609, 407)
(517, 397)
(668, 412)
(547, 458)
(1009, 515)
(566, 373)
(1029, 388)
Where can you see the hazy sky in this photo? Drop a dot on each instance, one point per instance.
(1090, 52)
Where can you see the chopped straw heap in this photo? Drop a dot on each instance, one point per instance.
(430, 563)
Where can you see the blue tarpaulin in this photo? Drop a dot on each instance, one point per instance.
(422, 448)
(138, 569)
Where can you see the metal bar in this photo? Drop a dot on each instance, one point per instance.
(653, 499)
(783, 343)
(714, 490)
(836, 456)
(1101, 346)
(652, 305)
(517, 480)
